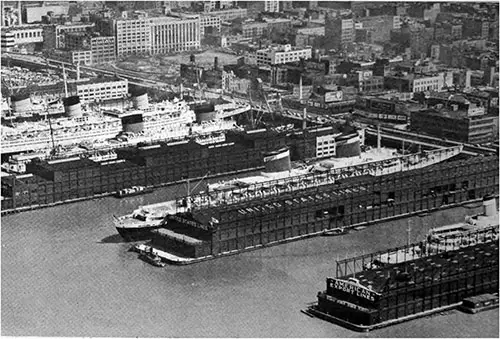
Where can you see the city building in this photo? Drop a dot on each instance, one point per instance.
(340, 32)
(230, 13)
(102, 90)
(281, 55)
(32, 13)
(380, 26)
(132, 36)
(256, 29)
(271, 5)
(156, 35)
(469, 126)
(21, 35)
(209, 24)
(404, 82)
(170, 34)
(54, 35)
(82, 57)
(310, 36)
(102, 47)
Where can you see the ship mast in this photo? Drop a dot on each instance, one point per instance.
(53, 151)
(65, 82)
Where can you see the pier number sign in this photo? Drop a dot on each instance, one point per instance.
(352, 288)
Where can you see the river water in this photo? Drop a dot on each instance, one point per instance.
(65, 272)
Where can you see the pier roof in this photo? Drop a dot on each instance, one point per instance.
(428, 268)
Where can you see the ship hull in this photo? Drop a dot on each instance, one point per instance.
(136, 233)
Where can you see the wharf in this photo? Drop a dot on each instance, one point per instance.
(375, 298)
(174, 259)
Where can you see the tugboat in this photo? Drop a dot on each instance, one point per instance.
(152, 258)
(335, 232)
(134, 190)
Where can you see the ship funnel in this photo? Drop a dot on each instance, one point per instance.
(72, 107)
(278, 161)
(348, 145)
(204, 112)
(140, 100)
(20, 104)
(490, 206)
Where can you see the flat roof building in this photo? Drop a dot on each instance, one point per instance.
(282, 54)
(469, 126)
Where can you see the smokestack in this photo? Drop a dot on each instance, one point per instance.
(304, 119)
(20, 20)
(216, 63)
(78, 71)
(379, 138)
(300, 88)
(181, 89)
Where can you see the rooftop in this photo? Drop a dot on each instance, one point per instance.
(428, 268)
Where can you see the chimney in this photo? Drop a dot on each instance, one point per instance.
(304, 119)
(300, 88)
(216, 63)
(19, 13)
(379, 138)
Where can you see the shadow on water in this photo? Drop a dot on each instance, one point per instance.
(112, 239)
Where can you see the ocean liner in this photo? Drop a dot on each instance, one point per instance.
(77, 126)
(278, 178)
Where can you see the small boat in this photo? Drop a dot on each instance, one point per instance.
(134, 190)
(335, 232)
(479, 303)
(152, 258)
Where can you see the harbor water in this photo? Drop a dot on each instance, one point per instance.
(66, 272)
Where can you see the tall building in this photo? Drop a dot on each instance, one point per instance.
(155, 35)
(170, 34)
(340, 32)
(133, 36)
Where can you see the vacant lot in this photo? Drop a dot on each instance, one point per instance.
(169, 65)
